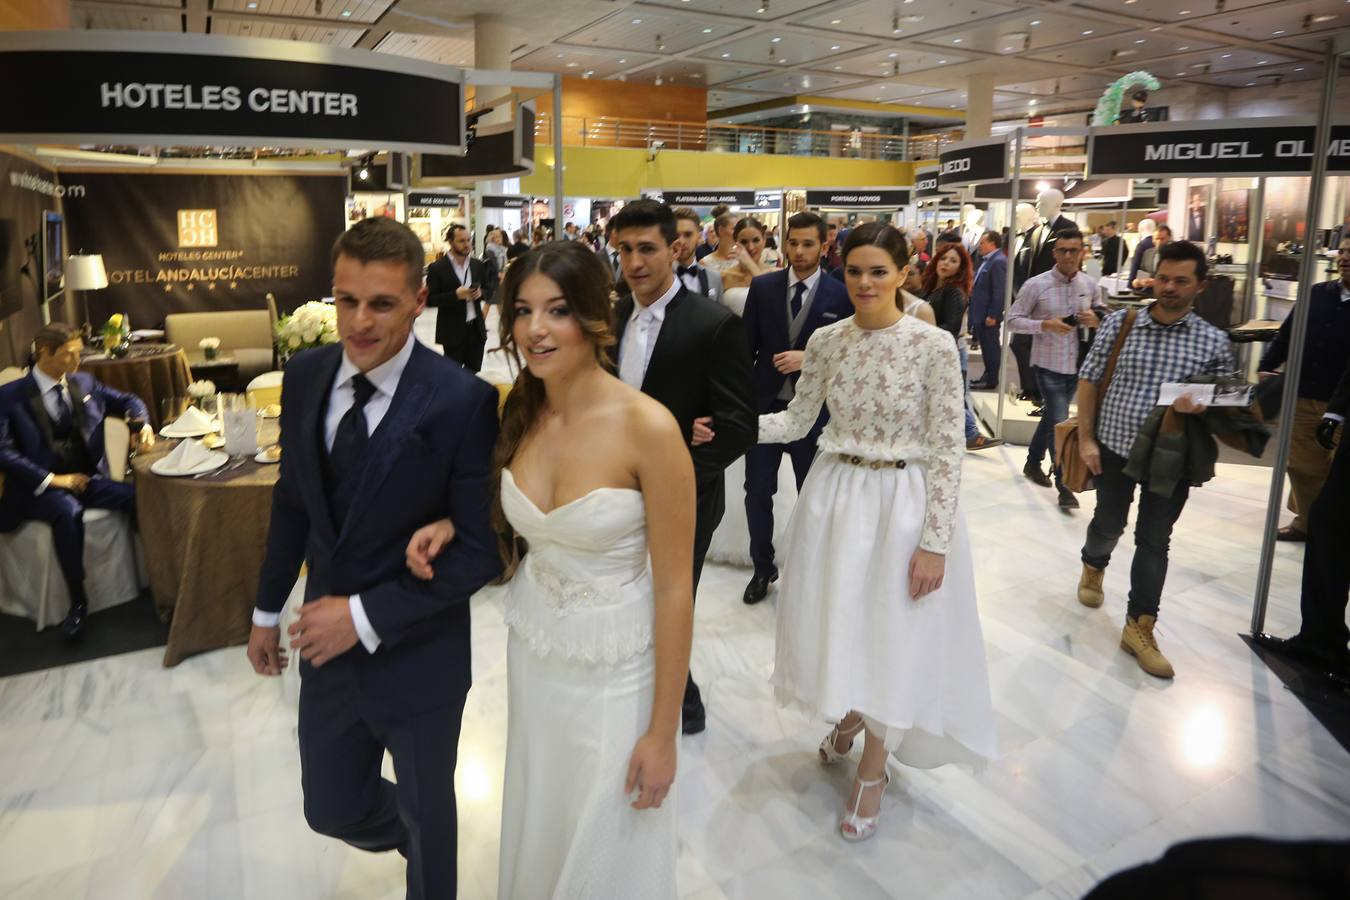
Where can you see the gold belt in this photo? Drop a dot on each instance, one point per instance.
(872, 463)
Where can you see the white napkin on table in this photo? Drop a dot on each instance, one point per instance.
(188, 455)
(192, 420)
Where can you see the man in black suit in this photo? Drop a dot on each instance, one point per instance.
(783, 309)
(379, 436)
(690, 354)
(1322, 638)
(455, 290)
(52, 455)
(1112, 249)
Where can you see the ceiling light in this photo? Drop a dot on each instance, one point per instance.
(1225, 56)
(1184, 12)
(637, 21)
(957, 40)
(560, 56)
(834, 47)
(1300, 68)
(1007, 49)
(1031, 103)
(1181, 74)
(911, 18)
(1276, 33)
(707, 31)
(622, 61)
(835, 21)
(1087, 32)
(725, 55)
(1251, 84)
(775, 40)
(942, 62)
(763, 7)
(346, 13)
(253, 6)
(1263, 62)
(1324, 17)
(892, 56)
(1183, 49)
(1035, 21)
(571, 65)
(1142, 41)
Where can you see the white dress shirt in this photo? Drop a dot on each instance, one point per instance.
(385, 377)
(465, 276)
(639, 338)
(47, 388)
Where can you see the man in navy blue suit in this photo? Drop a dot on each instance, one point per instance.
(986, 306)
(52, 454)
(379, 436)
(782, 310)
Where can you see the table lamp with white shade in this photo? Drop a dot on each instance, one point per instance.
(85, 272)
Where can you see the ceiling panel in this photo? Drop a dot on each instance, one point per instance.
(112, 18)
(450, 51)
(1065, 84)
(637, 27)
(746, 8)
(318, 33)
(695, 71)
(1200, 13)
(877, 18)
(1283, 21)
(796, 82)
(601, 64)
(726, 99)
(883, 92)
(1142, 50)
(1014, 35)
(1280, 75)
(333, 10)
(1218, 61)
(884, 62)
(788, 49)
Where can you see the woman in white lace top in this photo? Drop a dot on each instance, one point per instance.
(877, 623)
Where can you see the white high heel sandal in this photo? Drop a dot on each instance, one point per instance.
(828, 755)
(863, 827)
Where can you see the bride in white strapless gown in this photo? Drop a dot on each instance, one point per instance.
(599, 617)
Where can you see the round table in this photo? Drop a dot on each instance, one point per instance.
(153, 372)
(204, 541)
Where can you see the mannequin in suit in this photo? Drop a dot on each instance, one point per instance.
(1112, 249)
(690, 354)
(380, 436)
(52, 454)
(782, 310)
(1031, 234)
(455, 285)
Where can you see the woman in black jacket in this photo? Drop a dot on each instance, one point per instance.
(946, 286)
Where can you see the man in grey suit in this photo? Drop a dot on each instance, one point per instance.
(697, 278)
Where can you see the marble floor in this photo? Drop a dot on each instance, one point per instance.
(120, 779)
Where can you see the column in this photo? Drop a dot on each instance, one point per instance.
(492, 44)
(979, 105)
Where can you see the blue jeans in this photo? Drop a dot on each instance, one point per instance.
(1057, 389)
(972, 429)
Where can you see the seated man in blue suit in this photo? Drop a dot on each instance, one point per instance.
(782, 310)
(379, 436)
(52, 456)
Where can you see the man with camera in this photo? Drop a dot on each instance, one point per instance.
(1054, 307)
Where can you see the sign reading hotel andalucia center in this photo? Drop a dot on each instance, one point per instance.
(973, 162)
(1275, 146)
(141, 88)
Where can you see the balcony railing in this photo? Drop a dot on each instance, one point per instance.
(609, 131)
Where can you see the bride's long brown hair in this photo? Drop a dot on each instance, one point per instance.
(585, 282)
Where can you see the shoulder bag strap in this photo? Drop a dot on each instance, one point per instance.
(1116, 347)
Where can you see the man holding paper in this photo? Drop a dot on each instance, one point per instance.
(1168, 343)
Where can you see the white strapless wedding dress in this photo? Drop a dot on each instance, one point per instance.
(581, 670)
(731, 541)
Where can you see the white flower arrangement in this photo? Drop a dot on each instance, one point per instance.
(313, 324)
(200, 390)
(209, 343)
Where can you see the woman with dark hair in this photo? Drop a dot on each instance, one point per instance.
(747, 262)
(728, 252)
(592, 476)
(946, 286)
(877, 624)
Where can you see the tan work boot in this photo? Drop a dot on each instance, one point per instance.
(1137, 640)
(1090, 586)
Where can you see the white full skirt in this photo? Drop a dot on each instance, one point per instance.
(851, 638)
(568, 830)
(731, 541)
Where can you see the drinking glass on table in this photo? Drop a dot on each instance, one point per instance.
(170, 408)
(240, 420)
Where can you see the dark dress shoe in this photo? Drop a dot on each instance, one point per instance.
(1290, 648)
(758, 588)
(72, 628)
(1037, 412)
(983, 386)
(1034, 473)
(1067, 500)
(1290, 533)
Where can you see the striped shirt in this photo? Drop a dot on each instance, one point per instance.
(1052, 295)
(1153, 354)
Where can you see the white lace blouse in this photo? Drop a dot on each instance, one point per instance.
(893, 393)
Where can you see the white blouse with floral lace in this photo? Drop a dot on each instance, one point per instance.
(893, 393)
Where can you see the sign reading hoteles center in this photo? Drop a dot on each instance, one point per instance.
(1274, 146)
(973, 162)
(142, 88)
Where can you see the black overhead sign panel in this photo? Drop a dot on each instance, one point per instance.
(1276, 147)
(433, 199)
(857, 198)
(708, 198)
(138, 88)
(502, 201)
(926, 184)
(969, 163)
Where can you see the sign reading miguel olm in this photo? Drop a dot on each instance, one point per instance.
(163, 89)
(1258, 147)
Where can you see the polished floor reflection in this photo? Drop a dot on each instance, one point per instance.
(119, 779)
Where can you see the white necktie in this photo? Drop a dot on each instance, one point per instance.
(632, 366)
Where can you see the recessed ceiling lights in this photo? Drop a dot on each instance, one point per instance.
(1184, 12)
(561, 55)
(622, 61)
(1031, 103)
(637, 21)
(837, 68)
(1325, 18)
(1225, 56)
(1276, 33)
(346, 13)
(1181, 74)
(1263, 62)
(1087, 32)
(571, 65)
(253, 6)
(834, 46)
(1300, 68)
(957, 40)
(942, 62)
(892, 56)
(726, 55)
(1035, 21)
(1142, 41)
(707, 31)
(1184, 48)
(1007, 49)
(1251, 84)
(835, 21)
(775, 40)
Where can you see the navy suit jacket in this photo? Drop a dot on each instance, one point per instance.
(986, 295)
(766, 327)
(430, 458)
(26, 455)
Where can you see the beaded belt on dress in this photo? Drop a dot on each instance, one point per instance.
(566, 595)
(871, 463)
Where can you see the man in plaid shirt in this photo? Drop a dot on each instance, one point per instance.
(1168, 343)
(1052, 307)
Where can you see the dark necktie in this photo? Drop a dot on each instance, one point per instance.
(63, 412)
(349, 443)
(797, 291)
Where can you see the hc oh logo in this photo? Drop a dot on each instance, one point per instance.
(197, 228)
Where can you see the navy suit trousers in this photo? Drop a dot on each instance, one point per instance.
(64, 512)
(761, 483)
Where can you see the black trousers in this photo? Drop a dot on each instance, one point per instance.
(344, 733)
(64, 512)
(1326, 567)
(465, 345)
(709, 505)
(1020, 345)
